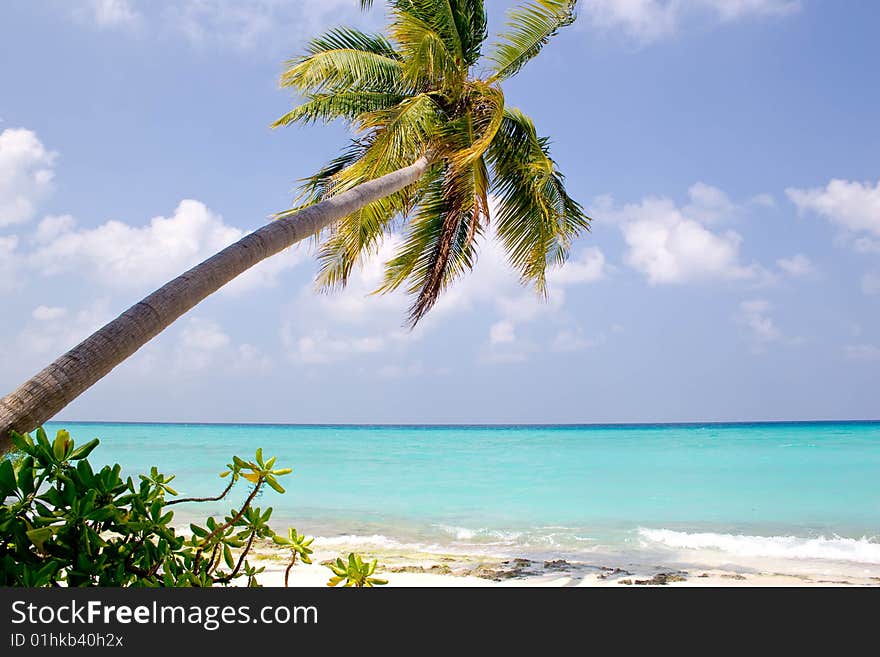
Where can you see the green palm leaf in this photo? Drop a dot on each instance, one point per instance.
(536, 219)
(530, 28)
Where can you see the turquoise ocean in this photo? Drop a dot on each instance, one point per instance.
(740, 494)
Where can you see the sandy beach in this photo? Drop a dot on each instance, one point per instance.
(410, 569)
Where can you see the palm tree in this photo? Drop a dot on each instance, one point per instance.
(434, 139)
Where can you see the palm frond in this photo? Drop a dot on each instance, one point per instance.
(486, 104)
(530, 27)
(344, 69)
(470, 20)
(536, 219)
(340, 105)
(354, 238)
(430, 59)
(438, 16)
(348, 38)
(319, 186)
(400, 134)
(439, 245)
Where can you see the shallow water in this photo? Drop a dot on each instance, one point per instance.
(727, 493)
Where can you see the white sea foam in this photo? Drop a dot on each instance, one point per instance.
(863, 550)
(374, 540)
(482, 535)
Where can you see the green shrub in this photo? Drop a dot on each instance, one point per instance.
(354, 572)
(62, 522)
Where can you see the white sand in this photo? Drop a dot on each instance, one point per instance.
(456, 570)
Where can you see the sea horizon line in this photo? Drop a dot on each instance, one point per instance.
(477, 425)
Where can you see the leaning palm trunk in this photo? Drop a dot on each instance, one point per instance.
(49, 391)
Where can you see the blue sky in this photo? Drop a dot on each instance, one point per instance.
(727, 150)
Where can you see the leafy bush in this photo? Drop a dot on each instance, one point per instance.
(60, 521)
(354, 572)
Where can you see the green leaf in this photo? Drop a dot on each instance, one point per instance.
(59, 446)
(530, 27)
(198, 531)
(7, 479)
(274, 484)
(83, 451)
(227, 557)
(26, 475)
(39, 536)
(103, 513)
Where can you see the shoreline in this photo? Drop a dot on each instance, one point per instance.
(439, 569)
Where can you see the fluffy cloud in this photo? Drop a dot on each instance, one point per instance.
(319, 347)
(112, 14)
(8, 263)
(648, 21)
(587, 267)
(25, 175)
(48, 313)
(56, 330)
(502, 332)
(241, 25)
(797, 265)
(852, 206)
(203, 343)
(121, 256)
(671, 244)
(754, 316)
(249, 24)
(575, 340)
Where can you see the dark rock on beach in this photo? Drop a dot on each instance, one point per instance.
(610, 572)
(505, 570)
(660, 579)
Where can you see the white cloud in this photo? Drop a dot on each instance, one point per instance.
(588, 267)
(862, 352)
(25, 175)
(319, 347)
(204, 335)
(249, 24)
(121, 256)
(853, 206)
(194, 346)
(203, 343)
(502, 332)
(50, 337)
(798, 265)
(112, 14)
(669, 245)
(708, 204)
(9, 263)
(648, 21)
(243, 25)
(48, 313)
(871, 283)
(575, 340)
(754, 316)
